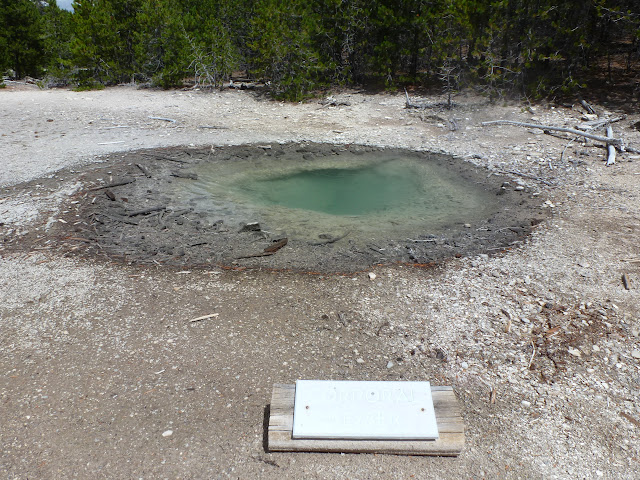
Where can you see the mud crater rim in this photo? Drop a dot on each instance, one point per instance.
(133, 209)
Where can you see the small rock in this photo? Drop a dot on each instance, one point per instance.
(519, 188)
(360, 361)
(251, 227)
(467, 225)
(525, 403)
(464, 365)
(390, 364)
(372, 276)
(635, 353)
(167, 433)
(575, 352)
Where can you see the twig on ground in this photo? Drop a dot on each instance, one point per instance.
(170, 120)
(204, 317)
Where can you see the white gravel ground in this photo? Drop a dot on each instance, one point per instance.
(541, 343)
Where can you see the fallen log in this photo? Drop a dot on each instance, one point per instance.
(611, 158)
(592, 125)
(587, 107)
(598, 138)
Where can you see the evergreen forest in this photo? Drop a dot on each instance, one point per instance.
(301, 47)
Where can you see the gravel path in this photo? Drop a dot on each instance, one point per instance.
(100, 361)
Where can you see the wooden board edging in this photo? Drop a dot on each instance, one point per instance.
(448, 416)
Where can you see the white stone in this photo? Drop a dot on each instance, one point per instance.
(575, 352)
(167, 433)
(372, 276)
(364, 410)
(635, 353)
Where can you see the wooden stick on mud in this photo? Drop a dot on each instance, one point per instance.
(144, 170)
(171, 120)
(598, 138)
(147, 211)
(114, 184)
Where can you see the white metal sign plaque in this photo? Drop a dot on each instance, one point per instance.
(364, 410)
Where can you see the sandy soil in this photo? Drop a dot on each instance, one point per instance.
(541, 342)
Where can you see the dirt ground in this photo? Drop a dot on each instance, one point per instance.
(100, 361)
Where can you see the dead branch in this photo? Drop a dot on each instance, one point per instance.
(164, 157)
(530, 177)
(594, 124)
(587, 107)
(144, 170)
(146, 211)
(277, 245)
(253, 255)
(114, 184)
(598, 138)
(611, 158)
(410, 104)
(204, 317)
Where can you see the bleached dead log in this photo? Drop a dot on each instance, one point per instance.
(592, 125)
(611, 158)
(597, 138)
(587, 107)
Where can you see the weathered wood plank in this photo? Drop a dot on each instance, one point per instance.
(448, 415)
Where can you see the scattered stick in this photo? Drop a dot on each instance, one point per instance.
(625, 282)
(144, 170)
(531, 177)
(270, 250)
(587, 107)
(170, 120)
(113, 184)
(611, 158)
(204, 317)
(190, 176)
(253, 255)
(630, 418)
(164, 157)
(409, 104)
(599, 123)
(565, 148)
(277, 245)
(533, 354)
(598, 138)
(146, 211)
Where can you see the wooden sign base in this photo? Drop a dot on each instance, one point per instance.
(450, 428)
